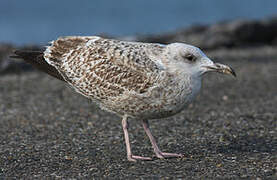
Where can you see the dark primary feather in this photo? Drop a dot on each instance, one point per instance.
(36, 59)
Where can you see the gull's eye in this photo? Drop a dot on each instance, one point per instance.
(190, 57)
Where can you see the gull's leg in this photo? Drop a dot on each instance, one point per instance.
(157, 151)
(130, 157)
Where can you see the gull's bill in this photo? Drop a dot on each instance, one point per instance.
(221, 68)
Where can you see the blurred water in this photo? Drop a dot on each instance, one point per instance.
(34, 21)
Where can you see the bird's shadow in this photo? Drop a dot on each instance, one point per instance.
(248, 144)
(240, 145)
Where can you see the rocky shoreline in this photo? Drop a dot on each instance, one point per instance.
(230, 34)
(224, 35)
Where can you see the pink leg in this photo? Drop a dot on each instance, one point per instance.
(157, 151)
(130, 157)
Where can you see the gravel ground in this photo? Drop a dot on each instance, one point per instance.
(48, 130)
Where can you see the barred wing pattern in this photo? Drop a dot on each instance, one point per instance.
(102, 69)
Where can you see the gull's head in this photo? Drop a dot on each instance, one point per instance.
(190, 59)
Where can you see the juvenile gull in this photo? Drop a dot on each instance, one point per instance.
(135, 80)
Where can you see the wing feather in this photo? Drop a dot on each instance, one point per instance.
(103, 68)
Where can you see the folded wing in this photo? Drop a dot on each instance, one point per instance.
(101, 68)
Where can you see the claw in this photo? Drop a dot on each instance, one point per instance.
(134, 158)
(162, 155)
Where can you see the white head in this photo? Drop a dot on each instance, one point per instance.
(191, 60)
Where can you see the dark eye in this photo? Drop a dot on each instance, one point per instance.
(190, 57)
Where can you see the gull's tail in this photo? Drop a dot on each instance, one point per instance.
(36, 59)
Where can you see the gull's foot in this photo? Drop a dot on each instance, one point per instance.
(163, 155)
(134, 158)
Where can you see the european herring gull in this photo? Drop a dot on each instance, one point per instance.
(131, 79)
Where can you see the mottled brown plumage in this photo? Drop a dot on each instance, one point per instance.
(132, 79)
(119, 75)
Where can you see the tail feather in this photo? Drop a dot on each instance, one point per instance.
(36, 59)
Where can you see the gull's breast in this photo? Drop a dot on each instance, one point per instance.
(168, 97)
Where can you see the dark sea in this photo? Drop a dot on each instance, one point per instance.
(37, 21)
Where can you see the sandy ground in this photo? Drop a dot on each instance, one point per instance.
(230, 131)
